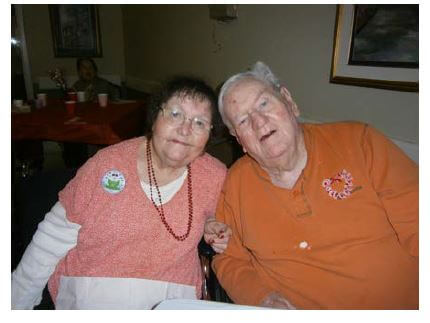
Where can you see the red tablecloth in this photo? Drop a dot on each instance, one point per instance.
(89, 124)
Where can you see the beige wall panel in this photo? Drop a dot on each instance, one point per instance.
(40, 45)
(295, 40)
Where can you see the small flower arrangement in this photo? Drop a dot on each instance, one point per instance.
(342, 177)
(57, 77)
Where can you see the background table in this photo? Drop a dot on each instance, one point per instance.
(89, 124)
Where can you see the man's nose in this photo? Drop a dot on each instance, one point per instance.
(258, 119)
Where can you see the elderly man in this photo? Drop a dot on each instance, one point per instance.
(324, 216)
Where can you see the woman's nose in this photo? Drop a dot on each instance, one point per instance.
(186, 127)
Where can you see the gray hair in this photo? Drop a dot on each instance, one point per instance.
(259, 71)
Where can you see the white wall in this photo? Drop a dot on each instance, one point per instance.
(295, 40)
(410, 149)
(40, 43)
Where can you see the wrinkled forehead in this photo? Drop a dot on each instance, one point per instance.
(246, 89)
(184, 97)
(192, 101)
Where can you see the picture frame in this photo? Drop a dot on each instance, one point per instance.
(383, 77)
(75, 30)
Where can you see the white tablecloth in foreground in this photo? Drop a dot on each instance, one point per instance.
(190, 304)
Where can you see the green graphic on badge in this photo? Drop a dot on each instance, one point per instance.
(113, 181)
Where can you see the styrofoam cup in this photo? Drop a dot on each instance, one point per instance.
(18, 103)
(41, 98)
(81, 96)
(103, 99)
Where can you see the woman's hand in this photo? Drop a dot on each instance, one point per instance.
(276, 300)
(217, 234)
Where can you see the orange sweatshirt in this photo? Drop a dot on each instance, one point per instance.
(344, 237)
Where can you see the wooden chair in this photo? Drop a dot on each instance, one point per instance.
(212, 289)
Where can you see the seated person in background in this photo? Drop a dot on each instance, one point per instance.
(324, 216)
(125, 230)
(75, 154)
(90, 83)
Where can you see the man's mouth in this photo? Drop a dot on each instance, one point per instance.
(263, 138)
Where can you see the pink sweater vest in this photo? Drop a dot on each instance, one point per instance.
(122, 234)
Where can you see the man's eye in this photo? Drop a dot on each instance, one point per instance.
(243, 122)
(263, 104)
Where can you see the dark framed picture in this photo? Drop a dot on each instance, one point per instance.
(75, 30)
(385, 35)
(385, 56)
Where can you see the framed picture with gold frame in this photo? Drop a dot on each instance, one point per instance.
(75, 30)
(399, 72)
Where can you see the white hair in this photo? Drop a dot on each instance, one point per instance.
(260, 71)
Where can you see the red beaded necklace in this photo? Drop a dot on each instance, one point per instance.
(160, 210)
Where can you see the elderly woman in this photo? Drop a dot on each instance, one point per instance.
(125, 230)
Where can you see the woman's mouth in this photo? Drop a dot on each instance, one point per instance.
(179, 142)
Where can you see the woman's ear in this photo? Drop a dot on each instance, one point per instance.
(157, 115)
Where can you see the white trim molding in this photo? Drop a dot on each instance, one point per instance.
(410, 149)
(46, 83)
(25, 58)
(132, 82)
(139, 84)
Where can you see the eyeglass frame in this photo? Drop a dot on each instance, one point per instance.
(185, 118)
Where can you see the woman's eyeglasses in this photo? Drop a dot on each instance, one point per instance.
(177, 117)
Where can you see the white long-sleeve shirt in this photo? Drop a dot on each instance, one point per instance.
(54, 237)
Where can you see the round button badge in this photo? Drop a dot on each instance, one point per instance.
(113, 181)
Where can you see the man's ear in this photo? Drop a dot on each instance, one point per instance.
(238, 140)
(285, 94)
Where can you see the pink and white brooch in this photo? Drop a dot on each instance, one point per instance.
(342, 177)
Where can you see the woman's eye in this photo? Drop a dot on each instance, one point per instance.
(199, 123)
(175, 114)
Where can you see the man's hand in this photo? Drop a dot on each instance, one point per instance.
(276, 300)
(217, 234)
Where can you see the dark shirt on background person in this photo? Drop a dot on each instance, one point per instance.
(91, 83)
